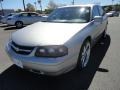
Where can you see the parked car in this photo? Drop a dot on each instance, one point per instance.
(1, 17)
(116, 14)
(24, 18)
(4, 18)
(112, 14)
(46, 16)
(61, 43)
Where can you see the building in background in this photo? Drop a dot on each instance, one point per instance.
(6, 11)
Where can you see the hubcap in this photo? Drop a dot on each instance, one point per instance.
(85, 54)
(19, 24)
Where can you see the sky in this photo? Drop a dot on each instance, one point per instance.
(17, 4)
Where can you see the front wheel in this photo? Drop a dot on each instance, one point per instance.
(84, 55)
(19, 24)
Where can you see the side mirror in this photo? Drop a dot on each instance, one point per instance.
(98, 19)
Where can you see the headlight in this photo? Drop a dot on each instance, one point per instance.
(51, 51)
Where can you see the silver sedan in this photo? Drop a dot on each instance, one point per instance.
(61, 43)
(24, 18)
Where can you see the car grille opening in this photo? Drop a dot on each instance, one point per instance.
(23, 50)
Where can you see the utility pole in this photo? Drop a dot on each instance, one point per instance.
(73, 2)
(40, 3)
(112, 4)
(35, 5)
(24, 5)
(2, 7)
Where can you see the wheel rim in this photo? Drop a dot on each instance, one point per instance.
(19, 24)
(85, 54)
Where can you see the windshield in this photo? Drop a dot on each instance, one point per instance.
(70, 15)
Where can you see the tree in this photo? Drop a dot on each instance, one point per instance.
(30, 8)
(48, 11)
(40, 3)
(52, 5)
(19, 10)
(38, 11)
(108, 8)
(117, 7)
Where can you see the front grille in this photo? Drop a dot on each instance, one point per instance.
(23, 50)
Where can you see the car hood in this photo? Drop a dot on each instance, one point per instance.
(46, 33)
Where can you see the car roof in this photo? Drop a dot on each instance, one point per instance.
(82, 5)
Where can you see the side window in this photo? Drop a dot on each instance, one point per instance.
(33, 14)
(95, 12)
(24, 14)
(101, 11)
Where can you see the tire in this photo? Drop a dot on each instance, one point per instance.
(84, 55)
(19, 24)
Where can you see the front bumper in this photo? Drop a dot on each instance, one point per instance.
(49, 66)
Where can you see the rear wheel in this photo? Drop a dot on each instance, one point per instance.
(19, 24)
(84, 55)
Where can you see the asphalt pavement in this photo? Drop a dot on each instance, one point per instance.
(102, 73)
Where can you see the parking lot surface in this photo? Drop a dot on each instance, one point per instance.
(102, 73)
